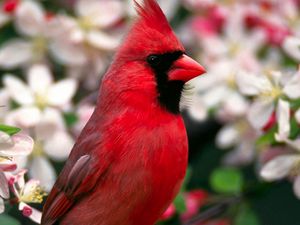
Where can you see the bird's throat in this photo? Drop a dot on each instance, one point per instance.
(169, 94)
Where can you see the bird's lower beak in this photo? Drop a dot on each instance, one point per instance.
(185, 69)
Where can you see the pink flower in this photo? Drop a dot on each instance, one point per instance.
(169, 213)
(194, 201)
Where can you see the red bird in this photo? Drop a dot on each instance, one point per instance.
(130, 159)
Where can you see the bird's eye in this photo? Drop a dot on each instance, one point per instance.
(153, 60)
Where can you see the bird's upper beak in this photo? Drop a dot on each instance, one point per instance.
(185, 69)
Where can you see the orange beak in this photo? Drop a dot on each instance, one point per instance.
(185, 69)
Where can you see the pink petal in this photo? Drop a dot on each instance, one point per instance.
(23, 145)
(4, 191)
(32, 213)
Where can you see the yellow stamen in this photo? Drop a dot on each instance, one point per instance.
(36, 195)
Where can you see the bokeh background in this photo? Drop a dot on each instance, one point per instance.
(242, 117)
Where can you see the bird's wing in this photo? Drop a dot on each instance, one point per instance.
(73, 183)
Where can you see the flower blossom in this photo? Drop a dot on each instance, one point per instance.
(27, 192)
(31, 22)
(40, 112)
(285, 164)
(267, 89)
(11, 147)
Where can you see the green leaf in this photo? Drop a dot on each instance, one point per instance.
(180, 203)
(8, 220)
(227, 181)
(268, 138)
(9, 130)
(295, 129)
(70, 119)
(246, 216)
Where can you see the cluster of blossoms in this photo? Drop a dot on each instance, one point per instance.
(51, 63)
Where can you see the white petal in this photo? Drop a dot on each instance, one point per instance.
(50, 122)
(5, 140)
(15, 53)
(227, 137)
(62, 92)
(18, 90)
(279, 167)
(296, 186)
(2, 206)
(291, 45)
(260, 112)
(39, 79)
(295, 144)
(35, 216)
(29, 18)
(297, 115)
(23, 145)
(30, 187)
(235, 105)
(102, 13)
(102, 41)
(4, 191)
(250, 84)
(59, 146)
(292, 88)
(283, 117)
(64, 52)
(198, 111)
(215, 95)
(24, 117)
(42, 170)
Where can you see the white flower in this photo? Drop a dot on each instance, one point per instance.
(41, 91)
(291, 45)
(240, 136)
(30, 21)
(93, 17)
(29, 192)
(17, 145)
(283, 117)
(284, 129)
(41, 104)
(10, 147)
(217, 90)
(267, 89)
(280, 167)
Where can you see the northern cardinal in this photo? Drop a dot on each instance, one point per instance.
(130, 159)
